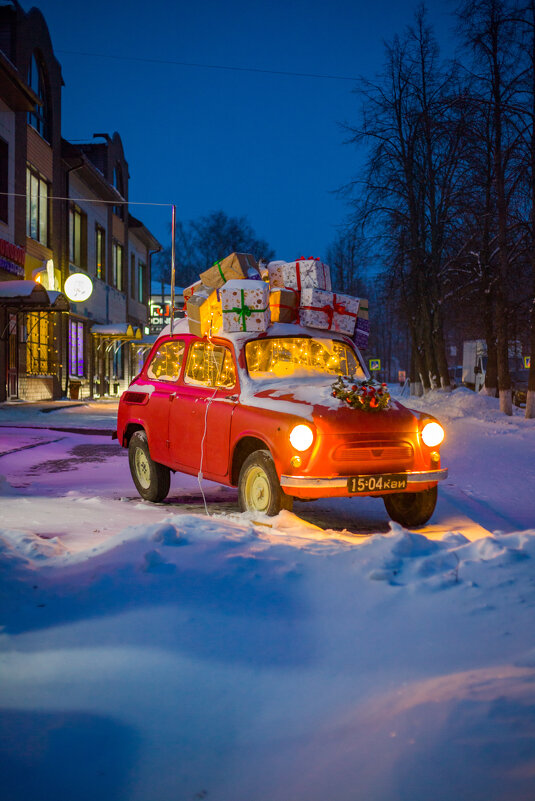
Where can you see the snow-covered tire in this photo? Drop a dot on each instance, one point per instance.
(259, 489)
(411, 509)
(152, 479)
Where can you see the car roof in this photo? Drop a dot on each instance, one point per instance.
(180, 327)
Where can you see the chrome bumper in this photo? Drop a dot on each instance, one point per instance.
(340, 482)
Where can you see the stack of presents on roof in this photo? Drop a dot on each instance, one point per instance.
(238, 295)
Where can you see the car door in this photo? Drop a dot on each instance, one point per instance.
(200, 415)
(161, 375)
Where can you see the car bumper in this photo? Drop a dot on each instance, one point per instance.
(338, 485)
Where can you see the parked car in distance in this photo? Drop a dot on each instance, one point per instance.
(519, 386)
(257, 412)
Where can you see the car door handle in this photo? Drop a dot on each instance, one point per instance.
(172, 396)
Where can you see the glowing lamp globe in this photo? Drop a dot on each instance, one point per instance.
(78, 286)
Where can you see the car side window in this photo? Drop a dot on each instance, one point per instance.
(166, 362)
(210, 365)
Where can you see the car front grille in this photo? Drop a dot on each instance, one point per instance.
(392, 453)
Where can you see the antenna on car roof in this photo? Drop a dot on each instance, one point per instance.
(173, 227)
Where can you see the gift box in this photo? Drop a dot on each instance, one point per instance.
(345, 311)
(245, 306)
(235, 266)
(362, 328)
(316, 308)
(203, 310)
(306, 274)
(275, 274)
(283, 304)
(189, 290)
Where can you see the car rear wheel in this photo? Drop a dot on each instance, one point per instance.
(411, 509)
(152, 479)
(259, 488)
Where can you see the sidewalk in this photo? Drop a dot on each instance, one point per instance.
(91, 416)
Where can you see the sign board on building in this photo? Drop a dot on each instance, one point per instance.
(12, 258)
(375, 364)
(78, 287)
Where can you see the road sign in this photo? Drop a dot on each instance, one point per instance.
(375, 364)
(402, 376)
(527, 362)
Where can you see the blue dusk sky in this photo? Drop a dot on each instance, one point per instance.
(267, 146)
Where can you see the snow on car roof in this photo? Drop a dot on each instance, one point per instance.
(274, 330)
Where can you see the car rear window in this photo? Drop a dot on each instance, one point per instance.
(287, 356)
(210, 365)
(166, 361)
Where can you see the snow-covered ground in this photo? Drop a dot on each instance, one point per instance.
(156, 652)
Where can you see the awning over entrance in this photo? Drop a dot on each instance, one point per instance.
(120, 331)
(29, 296)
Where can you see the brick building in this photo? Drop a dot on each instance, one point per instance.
(64, 210)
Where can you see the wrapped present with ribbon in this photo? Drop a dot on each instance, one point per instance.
(203, 311)
(275, 274)
(245, 306)
(316, 308)
(189, 290)
(235, 266)
(345, 311)
(283, 304)
(362, 328)
(308, 273)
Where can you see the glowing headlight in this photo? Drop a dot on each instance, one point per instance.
(301, 437)
(432, 434)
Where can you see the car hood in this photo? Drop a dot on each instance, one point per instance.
(314, 401)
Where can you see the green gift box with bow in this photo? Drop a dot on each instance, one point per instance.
(245, 306)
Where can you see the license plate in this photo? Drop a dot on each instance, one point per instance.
(383, 483)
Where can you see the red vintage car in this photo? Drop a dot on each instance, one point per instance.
(257, 412)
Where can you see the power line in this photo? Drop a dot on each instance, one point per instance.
(93, 200)
(211, 66)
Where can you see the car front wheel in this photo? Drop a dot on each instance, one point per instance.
(411, 509)
(152, 479)
(259, 488)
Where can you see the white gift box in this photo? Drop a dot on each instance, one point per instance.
(306, 274)
(316, 308)
(245, 306)
(276, 277)
(345, 312)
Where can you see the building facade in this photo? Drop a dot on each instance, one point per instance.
(63, 211)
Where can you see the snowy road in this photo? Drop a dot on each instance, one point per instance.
(91, 476)
(149, 651)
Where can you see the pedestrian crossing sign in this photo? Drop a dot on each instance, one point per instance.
(527, 362)
(375, 364)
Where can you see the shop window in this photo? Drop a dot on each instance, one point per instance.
(166, 363)
(76, 348)
(100, 252)
(77, 237)
(117, 265)
(38, 117)
(4, 188)
(39, 360)
(118, 362)
(36, 206)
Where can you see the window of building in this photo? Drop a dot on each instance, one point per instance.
(118, 363)
(141, 282)
(117, 265)
(36, 206)
(76, 348)
(100, 252)
(4, 187)
(38, 344)
(77, 237)
(133, 275)
(38, 117)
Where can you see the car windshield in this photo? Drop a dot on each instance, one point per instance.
(284, 357)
